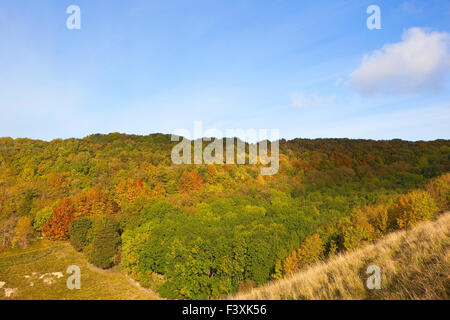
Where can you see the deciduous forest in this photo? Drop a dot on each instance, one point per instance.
(208, 231)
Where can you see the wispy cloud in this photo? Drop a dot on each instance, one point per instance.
(301, 100)
(419, 62)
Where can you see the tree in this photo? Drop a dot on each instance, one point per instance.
(26, 203)
(190, 182)
(57, 227)
(412, 208)
(41, 218)
(94, 202)
(7, 231)
(311, 251)
(278, 271)
(102, 249)
(130, 190)
(439, 189)
(378, 218)
(79, 229)
(23, 233)
(290, 264)
(355, 236)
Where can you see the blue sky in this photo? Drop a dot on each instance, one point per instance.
(142, 67)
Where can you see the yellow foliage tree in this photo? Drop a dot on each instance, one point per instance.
(131, 190)
(311, 251)
(439, 189)
(290, 264)
(278, 272)
(412, 208)
(23, 232)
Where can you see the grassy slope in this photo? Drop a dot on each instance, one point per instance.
(46, 257)
(414, 264)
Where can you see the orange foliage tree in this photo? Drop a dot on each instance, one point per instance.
(131, 190)
(57, 228)
(190, 182)
(94, 202)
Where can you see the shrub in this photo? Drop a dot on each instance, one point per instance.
(152, 280)
(78, 230)
(246, 286)
(105, 238)
(412, 208)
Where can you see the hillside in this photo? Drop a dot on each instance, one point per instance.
(415, 264)
(39, 272)
(205, 231)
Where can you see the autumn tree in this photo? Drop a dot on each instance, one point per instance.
(130, 190)
(211, 173)
(439, 189)
(94, 202)
(278, 270)
(7, 228)
(412, 208)
(23, 233)
(190, 182)
(355, 235)
(57, 227)
(290, 264)
(311, 251)
(42, 217)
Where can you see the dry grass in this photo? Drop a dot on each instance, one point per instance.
(414, 264)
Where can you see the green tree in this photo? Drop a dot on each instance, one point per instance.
(79, 231)
(104, 243)
(41, 218)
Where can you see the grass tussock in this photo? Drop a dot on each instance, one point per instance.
(414, 264)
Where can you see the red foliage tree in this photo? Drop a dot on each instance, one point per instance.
(190, 182)
(57, 228)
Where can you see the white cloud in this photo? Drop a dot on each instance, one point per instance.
(419, 62)
(300, 100)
